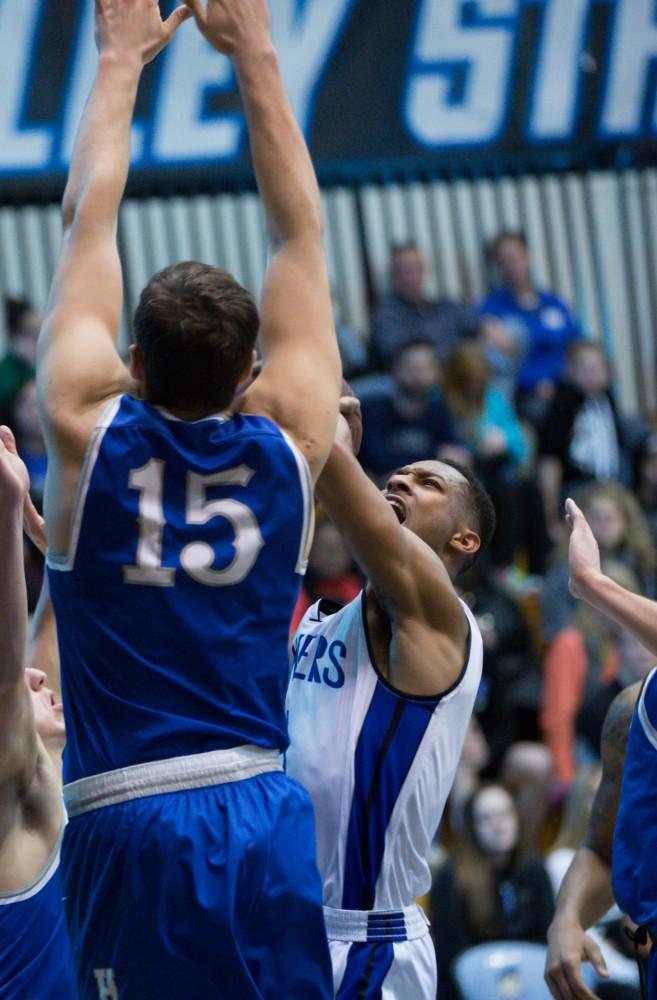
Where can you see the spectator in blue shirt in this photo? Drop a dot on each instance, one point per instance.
(408, 421)
(526, 348)
(405, 314)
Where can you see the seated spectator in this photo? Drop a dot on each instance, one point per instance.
(23, 415)
(587, 664)
(408, 421)
(331, 572)
(353, 352)
(17, 366)
(581, 438)
(486, 423)
(406, 314)
(623, 534)
(487, 890)
(526, 347)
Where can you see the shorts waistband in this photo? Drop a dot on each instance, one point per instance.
(406, 924)
(176, 774)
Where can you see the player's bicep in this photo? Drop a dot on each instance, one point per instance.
(79, 366)
(299, 385)
(18, 743)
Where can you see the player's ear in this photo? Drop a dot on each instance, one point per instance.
(466, 542)
(136, 364)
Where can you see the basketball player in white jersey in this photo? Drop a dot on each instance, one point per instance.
(380, 697)
(35, 960)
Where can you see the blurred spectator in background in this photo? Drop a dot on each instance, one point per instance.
(486, 423)
(526, 347)
(331, 573)
(17, 366)
(408, 421)
(623, 534)
(23, 414)
(645, 480)
(487, 890)
(581, 438)
(406, 314)
(353, 352)
(623, 971)
(588, 663)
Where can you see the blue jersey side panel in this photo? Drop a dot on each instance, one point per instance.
(192, 661)
(634, 873)
(35, 956)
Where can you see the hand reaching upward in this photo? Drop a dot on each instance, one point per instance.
(230, 25)
(583, 553)
(14, 478)
(135, 27)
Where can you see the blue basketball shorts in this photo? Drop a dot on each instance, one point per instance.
(208, 892)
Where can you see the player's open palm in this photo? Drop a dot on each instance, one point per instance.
(583, 551)
(231, 25)
(135, 27)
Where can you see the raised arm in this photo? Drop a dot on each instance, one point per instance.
(409, 580)
(300, 382)
(78, 366)
(18, 747)
(585, 894)
(587, 581)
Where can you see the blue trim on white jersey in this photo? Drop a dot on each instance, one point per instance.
(389, 740)
(367, 967)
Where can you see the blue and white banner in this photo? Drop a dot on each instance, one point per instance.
(381, 88)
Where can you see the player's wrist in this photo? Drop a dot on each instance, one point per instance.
(120, 62)
(254, 57)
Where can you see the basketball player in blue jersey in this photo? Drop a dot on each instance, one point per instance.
(177, 530)
(35, 959)
(633, 872)
(380, 697)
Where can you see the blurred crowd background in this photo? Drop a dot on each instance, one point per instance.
(499, 312)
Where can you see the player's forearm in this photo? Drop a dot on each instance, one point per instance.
(631, 611)
(101, 158)
(284, 170)
(13, 595)
(585, 894)
(364, 516)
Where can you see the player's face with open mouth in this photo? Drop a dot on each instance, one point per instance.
(425, 498)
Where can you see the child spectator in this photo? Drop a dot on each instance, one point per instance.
(527, 346)
(581, 438)
(487, 890)
(486, 423)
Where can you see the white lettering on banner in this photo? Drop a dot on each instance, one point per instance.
(444, 47)
(558, 71)
(81, 78)
(305, 32)
(181, 131)
(20, 147)
(633, 51)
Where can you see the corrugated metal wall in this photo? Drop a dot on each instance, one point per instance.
(593, 239)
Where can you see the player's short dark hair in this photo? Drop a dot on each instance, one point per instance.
(195, 327)
(481, 510)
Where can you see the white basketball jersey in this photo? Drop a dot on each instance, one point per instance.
(378, 764)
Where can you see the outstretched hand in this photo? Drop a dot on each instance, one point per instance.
(230, 25)
(135, 27)
(15, 485)
(349, 431)
(583, 551)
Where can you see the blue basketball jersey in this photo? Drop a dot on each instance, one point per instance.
(35, 955)
(634, 874)
(174, 600)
